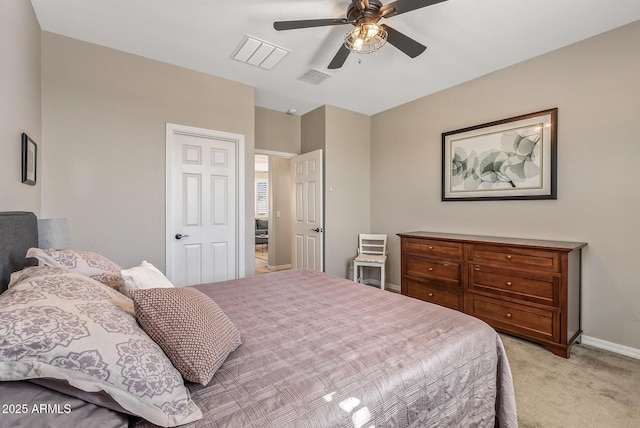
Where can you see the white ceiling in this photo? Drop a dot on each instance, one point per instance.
(464, 38)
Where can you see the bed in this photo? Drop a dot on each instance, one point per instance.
(316, 351)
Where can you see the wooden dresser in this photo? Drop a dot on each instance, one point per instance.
(524, 287)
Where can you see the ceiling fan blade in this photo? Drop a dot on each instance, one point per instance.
(405, 43)
(340, 58)
(308, 23)
(401, 6)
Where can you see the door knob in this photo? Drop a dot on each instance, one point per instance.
(180, 236)
(317, 229)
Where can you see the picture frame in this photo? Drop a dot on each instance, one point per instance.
(29, 160)
(508, 159)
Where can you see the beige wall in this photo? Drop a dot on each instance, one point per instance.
(313, 132)
(345, 137)
(347, 186)
(104, 114)
(19, 102)
(277, 131)
(596, 87)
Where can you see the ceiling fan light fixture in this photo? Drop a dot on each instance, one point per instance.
(365, 38)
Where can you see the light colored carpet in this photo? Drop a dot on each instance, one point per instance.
(593, 388)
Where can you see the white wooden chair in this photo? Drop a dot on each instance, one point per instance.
(372, 252)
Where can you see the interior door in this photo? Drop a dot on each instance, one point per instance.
(308, 233)
(202, 206)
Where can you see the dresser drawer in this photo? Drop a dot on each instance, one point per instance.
(443, 272)
(542, 289)
(435, 249)
(434, 294)
(515, 257)
(515, 318)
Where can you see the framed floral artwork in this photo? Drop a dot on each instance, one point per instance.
(508, 159)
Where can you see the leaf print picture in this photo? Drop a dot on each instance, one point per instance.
(516, 163)
(508, 159)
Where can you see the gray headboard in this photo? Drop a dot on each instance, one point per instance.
(18, 233)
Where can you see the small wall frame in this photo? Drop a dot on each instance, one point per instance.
(29, 160)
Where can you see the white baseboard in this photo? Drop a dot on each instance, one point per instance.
(391, 287)
(610, 346)
(278, 267)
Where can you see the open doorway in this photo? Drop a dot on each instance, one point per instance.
(262, 214)
(273, 221)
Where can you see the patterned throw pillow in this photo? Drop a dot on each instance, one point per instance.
(84, 262)
(189, 326)
(34, 272)
(63, 325)
(141, 277)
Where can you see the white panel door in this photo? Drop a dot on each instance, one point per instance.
(202, 206)
(308, 242)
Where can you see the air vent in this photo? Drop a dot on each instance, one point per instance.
(259, 53)
(315, 77)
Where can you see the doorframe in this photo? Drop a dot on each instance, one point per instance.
(277, 154)
(238, 141)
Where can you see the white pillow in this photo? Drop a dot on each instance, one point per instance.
(142, 277)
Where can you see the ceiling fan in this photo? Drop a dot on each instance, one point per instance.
(367, 35)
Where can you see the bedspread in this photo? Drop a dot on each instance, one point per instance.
(321, 351)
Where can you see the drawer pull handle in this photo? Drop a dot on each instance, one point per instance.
(509, 257)
(430, 247)
(430, 269)
(430, 294)
(509, 283)
(508, 315)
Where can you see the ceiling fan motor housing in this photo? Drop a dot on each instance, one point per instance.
(370, 15)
